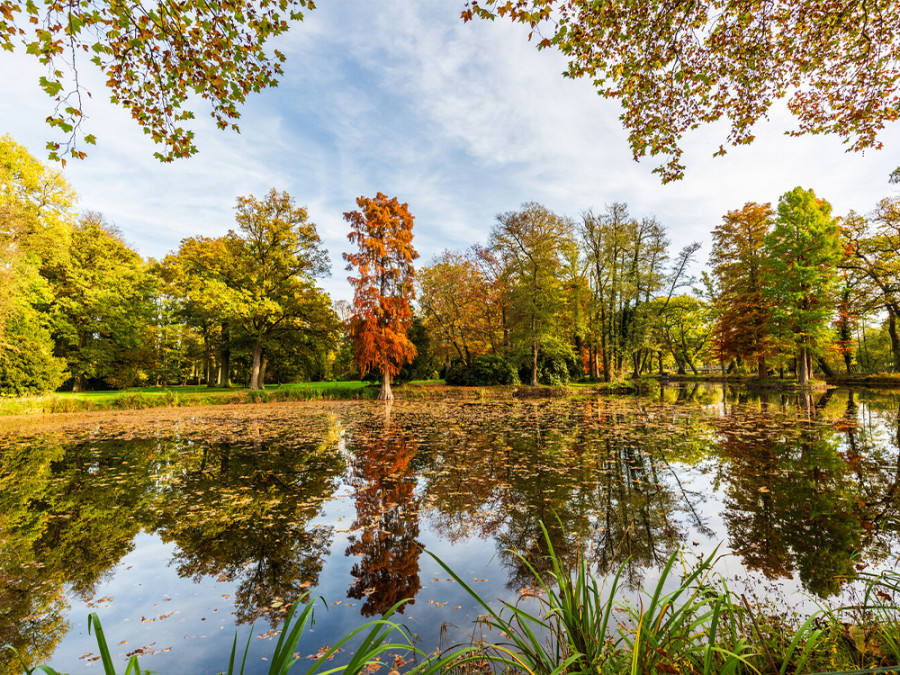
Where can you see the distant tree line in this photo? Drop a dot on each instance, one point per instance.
(788, 289)
(548, 299)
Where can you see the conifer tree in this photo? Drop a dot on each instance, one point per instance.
(803, 249)
(383, 287)
(743, 326)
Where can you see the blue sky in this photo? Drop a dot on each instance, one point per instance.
(462, 121)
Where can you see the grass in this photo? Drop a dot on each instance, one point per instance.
(689, 623)
(137, 398)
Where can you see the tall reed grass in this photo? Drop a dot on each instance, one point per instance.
(689, 623)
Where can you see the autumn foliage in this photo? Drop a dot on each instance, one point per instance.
(675, 65)
(383, 287)
(743, 326)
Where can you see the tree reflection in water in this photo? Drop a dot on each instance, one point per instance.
(387, 512)
(67, 516)
(803, 485)
(240, 512)
(597, 474)
(805, 489)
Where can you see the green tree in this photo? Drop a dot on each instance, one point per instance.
(35, 226)
(803, 251)
(873, 256)
(200, 276)
(101, 302)
(744, 311)
(276, 257)
(682, 327)
(531, 244)
(674, 66)
(626, 260)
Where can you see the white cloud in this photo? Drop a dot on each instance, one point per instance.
(463, 121)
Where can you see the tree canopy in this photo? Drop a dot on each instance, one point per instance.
(384, 286)
(674, 66)
(156, 59)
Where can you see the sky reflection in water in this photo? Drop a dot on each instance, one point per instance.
(177, 527)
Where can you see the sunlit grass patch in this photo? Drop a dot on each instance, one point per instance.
(139, 398)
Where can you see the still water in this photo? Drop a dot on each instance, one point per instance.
(182, 527)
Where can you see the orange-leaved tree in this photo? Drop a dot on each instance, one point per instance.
(744, 312)
(383, 287)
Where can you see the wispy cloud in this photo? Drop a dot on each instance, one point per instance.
(463, 121)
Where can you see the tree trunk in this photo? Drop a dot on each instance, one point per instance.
(225, 360)
(604, 345)
(691, 365)
(824, 367)
(763, 371)
(802, 363)
(660, 354)
(895, 341)
(385, 394)
(262, 371)
(257, 362)
(534, 364)
(208, 363)
(78, 384)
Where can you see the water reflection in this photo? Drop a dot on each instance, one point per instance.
(798, 485)
(804, 488)
(67, 519)
(387, 516)
(241, 513)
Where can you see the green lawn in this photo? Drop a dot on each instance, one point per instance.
(150, 397)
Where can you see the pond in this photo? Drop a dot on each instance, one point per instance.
(180, 527)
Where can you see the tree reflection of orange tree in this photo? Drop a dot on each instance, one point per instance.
(67, 516)
(792, 503)
(387, 511)
(240, 512)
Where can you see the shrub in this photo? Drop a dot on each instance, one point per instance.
(484, 371)
(555, 370)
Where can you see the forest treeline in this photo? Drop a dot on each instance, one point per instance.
(788, 290)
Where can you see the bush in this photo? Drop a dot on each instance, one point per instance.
(484, 371)
(555, 370)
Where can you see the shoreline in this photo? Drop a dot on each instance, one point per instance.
(189, 397)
